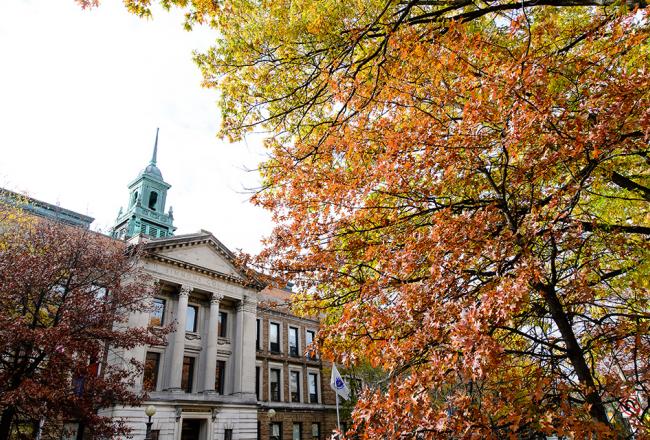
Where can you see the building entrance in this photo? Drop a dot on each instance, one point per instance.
(191, 429)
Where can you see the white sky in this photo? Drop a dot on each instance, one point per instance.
(81, 95)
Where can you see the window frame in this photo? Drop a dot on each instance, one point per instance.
(222, 329)
(292, 372)
(275, 367)
(293, 430)
(293, 351)
(191, 377)
(197, 310)
(258, 334)
(316, 375)
(222, 385)
(258, 380)
(162, 315)
(279, 436)
(317, 425)
(157, 374)
(279, 337)
(307, 344)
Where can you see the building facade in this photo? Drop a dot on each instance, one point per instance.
(288, 381)
(223, 368)
(201, 381)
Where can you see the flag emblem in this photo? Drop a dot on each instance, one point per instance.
(338, 385)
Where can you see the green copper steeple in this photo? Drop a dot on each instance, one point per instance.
(145, 214)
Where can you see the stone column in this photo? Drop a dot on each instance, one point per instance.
(178, 349)
(244, 367)
(211, 345)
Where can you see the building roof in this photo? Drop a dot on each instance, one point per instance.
(44, 209)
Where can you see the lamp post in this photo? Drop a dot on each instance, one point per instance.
(149, 411)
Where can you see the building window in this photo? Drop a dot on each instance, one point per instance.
(296, 432)
(275, 384)
(315, 431)
(293, 342)
(257, 383)
(157, 316)
(153, 198)
(276, 431)
(227, 434)
(187, 376)
(223, 325)
(151, 367)
(192, 314)
(258, 335)
(294, 385)
(313, 387)
(219, 377)
(310, 335)
(274, 337)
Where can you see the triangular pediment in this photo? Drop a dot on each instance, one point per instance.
(201, 252)
(202, 255)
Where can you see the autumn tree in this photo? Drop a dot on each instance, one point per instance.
(463, 186)
(65, 296)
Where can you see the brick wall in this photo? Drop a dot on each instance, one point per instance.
(326, 419)
(287, 412)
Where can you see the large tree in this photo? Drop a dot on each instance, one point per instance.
(65, 297)
(463, 186)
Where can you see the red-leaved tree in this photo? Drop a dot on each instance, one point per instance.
(65, 296)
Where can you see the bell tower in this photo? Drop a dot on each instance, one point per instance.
(145, 213)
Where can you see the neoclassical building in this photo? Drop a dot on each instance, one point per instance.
(206, 381)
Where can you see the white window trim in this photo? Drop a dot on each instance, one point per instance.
(281, 368)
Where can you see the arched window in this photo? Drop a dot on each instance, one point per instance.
(134, 198)
(153, 198)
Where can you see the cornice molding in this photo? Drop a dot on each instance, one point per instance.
(204, 271)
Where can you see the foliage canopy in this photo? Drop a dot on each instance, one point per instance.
(463, 186)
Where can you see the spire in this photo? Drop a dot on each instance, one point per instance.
(155, 149)
(145, 212)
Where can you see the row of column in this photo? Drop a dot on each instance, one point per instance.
(244, 330)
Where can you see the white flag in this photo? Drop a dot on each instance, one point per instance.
(337, 384)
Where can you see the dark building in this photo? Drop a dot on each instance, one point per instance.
(295, 401)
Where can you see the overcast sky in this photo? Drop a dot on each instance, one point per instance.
(81, 95)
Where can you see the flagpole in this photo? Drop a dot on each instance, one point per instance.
(338, 420)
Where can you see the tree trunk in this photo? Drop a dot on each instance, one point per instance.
(574, 353)
(5, 422)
